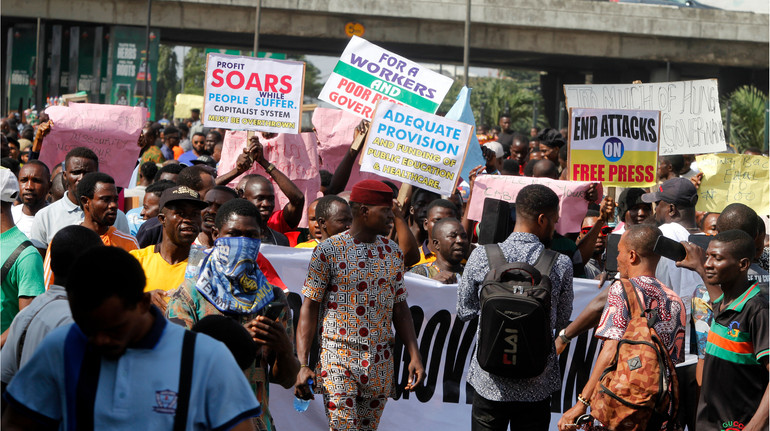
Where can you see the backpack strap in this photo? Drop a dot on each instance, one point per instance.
(185, 381)
(23, 336)
(546, 261)
(495, 255)
(12, 259)
(635, 308)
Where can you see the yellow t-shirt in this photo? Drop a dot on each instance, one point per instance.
(160, 274)
(307, 244)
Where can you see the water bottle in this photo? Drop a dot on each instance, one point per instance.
(301, 405)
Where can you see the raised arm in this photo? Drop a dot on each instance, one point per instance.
(292, 211)
(342, 173)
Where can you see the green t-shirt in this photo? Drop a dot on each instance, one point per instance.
(24, 279)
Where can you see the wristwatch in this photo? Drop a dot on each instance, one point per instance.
(563, 335)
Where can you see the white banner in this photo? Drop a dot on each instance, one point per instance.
(690, 118)
(446, 345)
(246, 93)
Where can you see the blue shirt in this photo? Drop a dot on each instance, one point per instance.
(135, 220)
(187, 158)
(138, 390)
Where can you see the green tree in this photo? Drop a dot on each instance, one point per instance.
(194, 71)
(494, 94)
(168, 83)
(747, 119)
(313, 85)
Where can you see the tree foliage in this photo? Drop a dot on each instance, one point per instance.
(313, 85)
(194, 71)
(168, 83)
(491, 96)
(747, 118)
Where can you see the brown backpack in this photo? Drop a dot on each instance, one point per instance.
(639, 389)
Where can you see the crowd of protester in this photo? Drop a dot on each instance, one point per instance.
(187, 253)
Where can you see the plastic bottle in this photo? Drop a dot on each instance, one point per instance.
(301, 405)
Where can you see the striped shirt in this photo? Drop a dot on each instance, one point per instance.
(735, 367)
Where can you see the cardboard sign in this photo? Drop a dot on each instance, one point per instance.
(615, 148)
(335, 129)
(184, 103)
(294, 155)
(447, 343)
(416, 148)
(366, 74)
(110, 131)
(690, 122)
(249, 93)
(572, 202)
(729, 178)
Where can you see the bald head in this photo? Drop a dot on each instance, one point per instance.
(740, 217)
(545, 169)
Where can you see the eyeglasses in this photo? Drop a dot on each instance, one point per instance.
(606, 230)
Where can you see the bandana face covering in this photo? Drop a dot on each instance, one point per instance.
(230, 278)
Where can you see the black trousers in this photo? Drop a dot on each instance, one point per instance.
(521, 416)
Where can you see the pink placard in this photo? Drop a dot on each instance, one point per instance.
(294, 155)
(572, 202)
(110, 131)
(335, 129)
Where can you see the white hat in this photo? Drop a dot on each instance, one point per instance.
(497, 148)
(9, 185)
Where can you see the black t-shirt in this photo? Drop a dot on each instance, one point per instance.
(735, 369)
(276, 238)
(506, 139)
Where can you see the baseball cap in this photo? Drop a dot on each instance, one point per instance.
(9, 185)
(180, 194)
(628, 199)
(496, 147)
(678, 191)
(205, 160)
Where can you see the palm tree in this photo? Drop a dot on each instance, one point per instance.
(747, 117)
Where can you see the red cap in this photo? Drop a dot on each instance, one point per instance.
(372, 192)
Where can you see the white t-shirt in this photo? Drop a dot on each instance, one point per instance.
(22, 221)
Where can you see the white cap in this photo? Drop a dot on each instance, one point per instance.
(9, 185)
(497, 148)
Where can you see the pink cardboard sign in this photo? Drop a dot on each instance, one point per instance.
(335, 129)
(572, 202)
(110, 131)
(294, 155)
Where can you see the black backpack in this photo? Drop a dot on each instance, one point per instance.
(515, 337)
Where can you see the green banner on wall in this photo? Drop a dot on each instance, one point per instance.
(128, 70)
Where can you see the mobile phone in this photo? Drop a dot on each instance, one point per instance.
(669, 248)
(273, 310)
(611, 261)
(701, 241)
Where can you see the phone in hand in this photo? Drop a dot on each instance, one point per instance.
(273, 310)
(669, 248)
(701, 241)
(611, 262)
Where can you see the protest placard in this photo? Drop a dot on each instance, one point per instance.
(293, 154)
(690, 122)
(614, 147)
(416, 148)
(249, 93)
(110, 131)
(335, 129)
(730, 178)
(184, 103)
(366, 74)
(572, 201)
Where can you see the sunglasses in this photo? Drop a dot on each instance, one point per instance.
(606, 230)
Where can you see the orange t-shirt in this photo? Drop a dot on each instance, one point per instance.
(113, 238)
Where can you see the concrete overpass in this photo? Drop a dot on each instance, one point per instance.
(613, 42)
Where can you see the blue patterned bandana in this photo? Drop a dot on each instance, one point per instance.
(230, 278)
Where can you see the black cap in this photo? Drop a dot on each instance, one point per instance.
(205, 160)
(678, 191)
(180, 194)
(628, 199)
